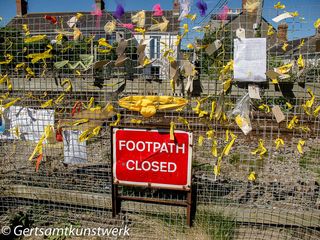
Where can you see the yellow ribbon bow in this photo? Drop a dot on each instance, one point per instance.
(260, 149)
(106, 47)
(198, 110)
(210, 134)
(279, 6)
(252, 176)
(264, 107)
(270, 30)
(308, 105)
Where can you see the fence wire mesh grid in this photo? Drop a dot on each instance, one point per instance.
(61, 82)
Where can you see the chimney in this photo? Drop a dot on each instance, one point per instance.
(244, 2)
(22, 7)
(251, 7)
(282, 33)
(176, 7)
(100, 4)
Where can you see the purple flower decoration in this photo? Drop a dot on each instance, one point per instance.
(119, 11)
(202, 6)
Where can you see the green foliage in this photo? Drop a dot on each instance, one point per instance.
(217, 225)
(212, 65)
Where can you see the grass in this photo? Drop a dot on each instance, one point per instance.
(216, 225)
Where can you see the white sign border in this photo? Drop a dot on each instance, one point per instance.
(152, 185)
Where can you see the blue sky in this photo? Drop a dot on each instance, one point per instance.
(308, 9)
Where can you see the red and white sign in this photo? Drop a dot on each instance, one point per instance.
(148, 158)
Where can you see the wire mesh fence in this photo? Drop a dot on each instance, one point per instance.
(72, 77)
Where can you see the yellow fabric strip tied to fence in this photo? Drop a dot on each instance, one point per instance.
(148, 105)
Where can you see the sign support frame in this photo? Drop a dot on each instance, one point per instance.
(189, 203)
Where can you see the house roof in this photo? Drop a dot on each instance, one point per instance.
(293, 46)
(246, 21)
(275, 48)
(38, 24)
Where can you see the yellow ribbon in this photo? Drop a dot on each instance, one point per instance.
(252, 176)
(68, 83)
(279, 142)
(300, 145)
(172, 127)
(48, 103)
(60, 98)
(308, 105)
(300, 62)
(9, 104)
(264, 107)
(210, 134)
(102, 42)
(293, 122)
(260, 149)
(136, 121)
(148, 105)
(214, 149)
(36, 38)
(200, 141)
(270, 30)
(279, 6)
(289, 105)
(184, 121)
(316, 111)
(226, 85)
(116, 123)
(228, 147)
(89, 133)
(38, 149)
(80, 121)
(213, 108)
(36, 57)
(8, 58)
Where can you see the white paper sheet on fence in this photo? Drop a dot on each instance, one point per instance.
(75, 152)
(250, 60)
(30, 122)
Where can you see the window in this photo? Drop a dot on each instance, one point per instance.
(155, 72)
(155, 47)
